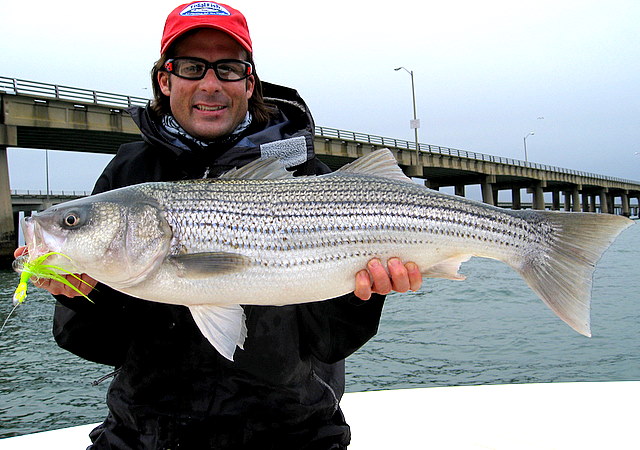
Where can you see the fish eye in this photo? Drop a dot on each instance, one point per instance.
(71, 220)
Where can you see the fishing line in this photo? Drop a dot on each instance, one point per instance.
(7, 319)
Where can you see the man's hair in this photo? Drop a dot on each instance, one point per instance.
(260, 111)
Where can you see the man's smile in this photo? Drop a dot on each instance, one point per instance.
(209, 108)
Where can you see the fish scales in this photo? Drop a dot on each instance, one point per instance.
(272, 239)
(297, 215)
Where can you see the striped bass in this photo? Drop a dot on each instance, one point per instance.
(259, 236)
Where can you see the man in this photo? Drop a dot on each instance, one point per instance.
(172, 389)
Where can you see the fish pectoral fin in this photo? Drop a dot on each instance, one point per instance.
(223, 326)
(448, 268)
(205, 265)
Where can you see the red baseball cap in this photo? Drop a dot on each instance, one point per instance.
(205, 15)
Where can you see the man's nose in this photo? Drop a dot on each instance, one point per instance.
(210, 81)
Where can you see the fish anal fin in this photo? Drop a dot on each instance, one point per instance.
(205, 265)
(223, 326)
(447, 268)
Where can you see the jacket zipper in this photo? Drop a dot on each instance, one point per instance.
(326, 385)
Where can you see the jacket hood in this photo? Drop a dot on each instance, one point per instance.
(288, 135)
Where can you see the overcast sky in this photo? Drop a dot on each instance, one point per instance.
(486, 72)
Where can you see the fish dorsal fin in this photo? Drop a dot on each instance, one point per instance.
(380, 163)
(262, 169)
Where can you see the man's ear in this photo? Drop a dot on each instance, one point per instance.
(251, 84)
(164, 83)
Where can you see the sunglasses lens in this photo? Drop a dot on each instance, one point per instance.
(188, 68)
(232, 70)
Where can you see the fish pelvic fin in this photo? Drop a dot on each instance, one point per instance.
(223, 326)
(562, 276)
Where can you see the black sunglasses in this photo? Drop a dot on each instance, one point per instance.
(196, 68)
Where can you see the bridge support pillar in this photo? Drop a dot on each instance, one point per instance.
(459, 190)
(604, 201)
(516, 202)
(538, 195)
(487, 189)
(7, 230)
(626, 210)
(576, 199)
(555, 200)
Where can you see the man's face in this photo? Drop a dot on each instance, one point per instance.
(208, 108)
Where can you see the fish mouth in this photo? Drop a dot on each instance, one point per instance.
(37, 240)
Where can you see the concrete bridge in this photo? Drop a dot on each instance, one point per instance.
(46, 116)
(38, 200)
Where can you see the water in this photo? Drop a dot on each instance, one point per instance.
(490, 329)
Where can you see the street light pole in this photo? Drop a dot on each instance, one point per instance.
(415, 123)
(46, 163)
(526, 159)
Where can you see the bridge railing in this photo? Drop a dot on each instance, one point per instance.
(43, 193)
(37, 89)
(333, 133)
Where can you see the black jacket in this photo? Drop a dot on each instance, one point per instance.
(172, 386)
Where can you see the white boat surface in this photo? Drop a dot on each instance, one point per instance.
(560, 416)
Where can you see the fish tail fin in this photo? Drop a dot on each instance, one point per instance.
(562, 274)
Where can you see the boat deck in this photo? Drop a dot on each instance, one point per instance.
(511, 417)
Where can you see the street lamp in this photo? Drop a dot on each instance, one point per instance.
(415, 123)
(531, 133)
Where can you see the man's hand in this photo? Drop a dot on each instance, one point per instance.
(57, 288)
(375, 279)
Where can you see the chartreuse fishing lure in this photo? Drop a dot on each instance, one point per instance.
(38, 269)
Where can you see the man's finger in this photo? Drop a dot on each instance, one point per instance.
(399, 275)
(415, 277)
(381, 281)
(87, 284)
(363, 285)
